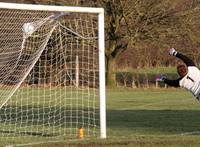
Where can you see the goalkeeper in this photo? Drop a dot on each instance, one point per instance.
(188, 72)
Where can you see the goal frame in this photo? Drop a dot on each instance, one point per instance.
(101, 45)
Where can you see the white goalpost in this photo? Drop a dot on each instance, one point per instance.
(52, 73)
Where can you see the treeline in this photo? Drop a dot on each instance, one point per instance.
(153, 57)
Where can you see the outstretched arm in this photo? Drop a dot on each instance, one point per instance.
(173, 83)
(184, 58)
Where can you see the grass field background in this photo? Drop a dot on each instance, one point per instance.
(147, 117)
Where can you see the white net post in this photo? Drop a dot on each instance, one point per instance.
(52, 80)
(102, 75)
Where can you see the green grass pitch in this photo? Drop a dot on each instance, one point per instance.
(147, 117)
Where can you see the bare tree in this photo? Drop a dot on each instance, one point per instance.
(134, 23)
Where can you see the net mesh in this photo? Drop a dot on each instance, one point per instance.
(48, 75)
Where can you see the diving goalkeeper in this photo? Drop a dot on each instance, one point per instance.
(188, 72)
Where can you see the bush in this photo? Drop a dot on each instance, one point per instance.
(131, 79)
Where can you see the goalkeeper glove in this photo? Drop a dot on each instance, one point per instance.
(172, 52)
(161, 78)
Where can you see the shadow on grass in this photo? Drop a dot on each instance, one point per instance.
(9, 132)
(132, 121)
(154, 121)
(45, 121)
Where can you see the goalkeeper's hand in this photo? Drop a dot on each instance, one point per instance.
(161, 78)
(172, 51)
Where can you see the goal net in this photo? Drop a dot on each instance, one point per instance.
(51, 73)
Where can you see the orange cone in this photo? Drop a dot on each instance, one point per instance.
(80, 133)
